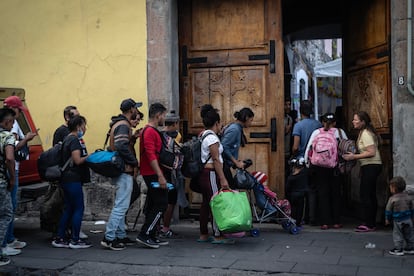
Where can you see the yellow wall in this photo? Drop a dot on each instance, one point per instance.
(88, 53)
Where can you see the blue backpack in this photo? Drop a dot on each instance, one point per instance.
(107, 162)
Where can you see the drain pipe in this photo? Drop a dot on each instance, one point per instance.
(409, 45)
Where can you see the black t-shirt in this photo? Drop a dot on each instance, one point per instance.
(60, 134)
(298, 182)
(74, 173)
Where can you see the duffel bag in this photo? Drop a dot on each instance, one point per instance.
(231, 211)
(106, 163)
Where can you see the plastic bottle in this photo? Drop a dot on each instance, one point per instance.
(157, 185)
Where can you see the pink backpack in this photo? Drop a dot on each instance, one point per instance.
(325, 149)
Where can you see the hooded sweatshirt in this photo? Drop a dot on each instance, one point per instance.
(122, 137)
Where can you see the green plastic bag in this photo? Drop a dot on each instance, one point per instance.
(231, 211)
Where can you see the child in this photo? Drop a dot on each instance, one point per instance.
(296, 188)
(262, 191)
(400, 209)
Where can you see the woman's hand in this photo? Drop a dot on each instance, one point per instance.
(239, 164)
(348, 156)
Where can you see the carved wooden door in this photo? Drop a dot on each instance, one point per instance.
(367, 85)
(232, 57)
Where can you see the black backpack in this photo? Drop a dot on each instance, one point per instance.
(49, 164)
(192, 164)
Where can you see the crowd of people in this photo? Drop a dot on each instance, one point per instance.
(312, 189)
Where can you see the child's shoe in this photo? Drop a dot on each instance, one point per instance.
(409, 251)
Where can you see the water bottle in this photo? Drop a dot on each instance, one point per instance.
(157, 185)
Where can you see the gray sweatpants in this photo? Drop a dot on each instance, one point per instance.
(6, 210)
(403, 231)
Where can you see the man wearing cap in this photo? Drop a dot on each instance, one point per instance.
(61, 132)
(11, 244)
(120, 135)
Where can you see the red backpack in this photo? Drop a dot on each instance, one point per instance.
(325, 149)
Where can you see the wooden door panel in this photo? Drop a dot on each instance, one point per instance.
(216, 39)
(371, 85)
(227, 24)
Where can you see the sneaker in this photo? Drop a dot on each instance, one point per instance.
(16, 244)
(82, 235)
(409, 251)
(80, 244)
(126, 241)
(4, 260)
(60, 243)
(10, 251)
(147, 242)
(160, 242)
(113, 245)
(396, 252)
(166, 235)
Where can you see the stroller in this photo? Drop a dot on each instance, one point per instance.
(271, 208)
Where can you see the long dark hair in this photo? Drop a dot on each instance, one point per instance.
(210, 115)
(76, 122)
(364, 117)
(244, 114)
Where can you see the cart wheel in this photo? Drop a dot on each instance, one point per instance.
(254, 232)
(286, 225)
(294, 230)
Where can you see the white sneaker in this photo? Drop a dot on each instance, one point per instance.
(82, 235)
(16, 244)
(10, 251)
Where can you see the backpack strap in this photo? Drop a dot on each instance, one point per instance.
(202, 137)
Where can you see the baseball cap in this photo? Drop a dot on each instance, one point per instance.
(14, 102)
(328, 117)
(127, 104)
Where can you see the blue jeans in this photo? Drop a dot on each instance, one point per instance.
(73, 209)
(10, 229)
(116, 222)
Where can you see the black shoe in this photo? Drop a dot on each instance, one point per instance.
(147, 241)
(126, 241)
(113, 245)
(409, 251)
(160, 242)
(396, 252)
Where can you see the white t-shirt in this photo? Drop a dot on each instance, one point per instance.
(316, 132)
(207, 142)
(17, 131)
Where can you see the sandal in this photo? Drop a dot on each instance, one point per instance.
(364, 228)
(209, 239)
(223, 241)
(324, 227)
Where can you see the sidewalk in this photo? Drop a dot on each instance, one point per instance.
(312, 252)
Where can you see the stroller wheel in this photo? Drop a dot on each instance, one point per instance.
(286, 225)
(294, 230)
(254, 232)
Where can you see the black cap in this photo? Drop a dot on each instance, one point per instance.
(128, 104)
(328, 117)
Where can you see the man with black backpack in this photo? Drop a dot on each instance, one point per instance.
(120, 135)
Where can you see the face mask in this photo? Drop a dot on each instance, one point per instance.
(80, 133)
